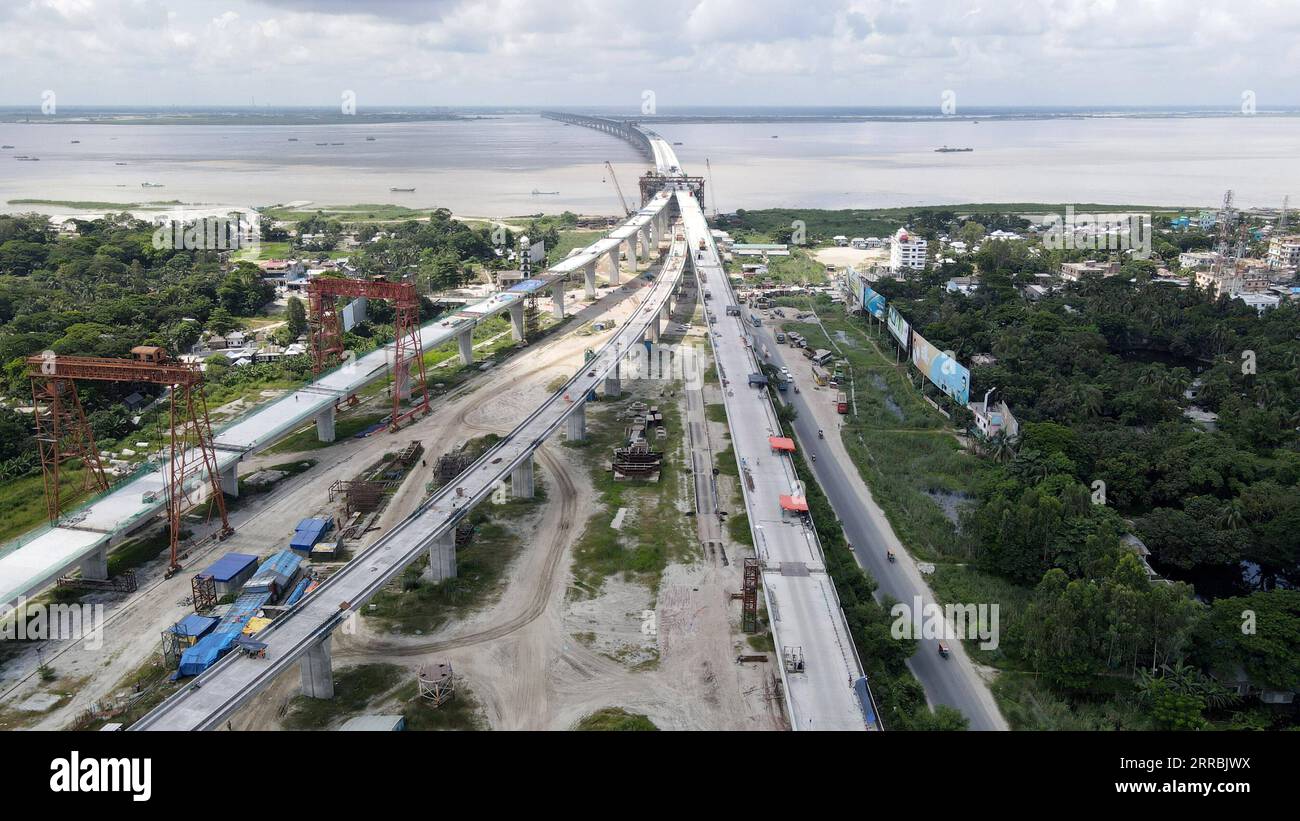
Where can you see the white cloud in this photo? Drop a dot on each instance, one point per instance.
(462, 52)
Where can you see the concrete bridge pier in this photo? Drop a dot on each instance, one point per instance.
(95, 566)
(575, 426)
(557, 299)
(466, 341)
(521, 479)
(317, 671)
(649, 246)
(442, 557)
(613, 387)
(589, 279)
(613, 264)
(230, 480)
(633, 256)
(666, 312)
(516, 311)
(324, 426)
(652, 330)
(656, 232)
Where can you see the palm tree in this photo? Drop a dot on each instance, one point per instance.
(1087, 398)
(1232, 516)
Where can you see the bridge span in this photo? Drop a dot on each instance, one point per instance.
(83, 537)
(302, 635)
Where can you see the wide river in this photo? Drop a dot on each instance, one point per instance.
(494, 166)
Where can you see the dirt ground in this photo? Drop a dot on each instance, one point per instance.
(841, 257)
(535, 657)
(134, 624)
(540, 659)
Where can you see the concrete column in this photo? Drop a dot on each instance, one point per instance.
(666, 310)
(575, 426)
(557, 299)
(521, 479)
(652, 331)
(466, 341)
(613, 264)
(613, 388)
(317, 671)
(589, 279)
(656, 232)
(95, 566)
(325, 425)
(230, 480)
(633, 258)
(442, 557)
(516, 311)
(649, 249)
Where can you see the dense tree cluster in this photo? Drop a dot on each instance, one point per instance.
(1101, 376)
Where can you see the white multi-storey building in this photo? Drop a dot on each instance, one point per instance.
(1284, 252)
(906, 251)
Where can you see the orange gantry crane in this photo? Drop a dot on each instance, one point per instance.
(63, 432)
(326, 323)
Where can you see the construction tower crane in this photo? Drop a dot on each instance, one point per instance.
(326, 333)
(627, 212)
(63, 432)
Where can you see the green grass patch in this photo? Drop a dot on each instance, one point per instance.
(738, 529)
(716, 412)
(354, 689)
(22, 501)
(422, 605)
(346, 426)
(461, 713)
(655, 531)
(615, 719)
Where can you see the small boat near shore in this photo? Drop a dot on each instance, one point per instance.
(402, 190)
(537, 193)
(947, 150)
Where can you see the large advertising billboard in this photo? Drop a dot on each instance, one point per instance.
(944, 371)
(898, 326)
(873, 303)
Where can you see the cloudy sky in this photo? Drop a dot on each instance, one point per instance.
(689, 52)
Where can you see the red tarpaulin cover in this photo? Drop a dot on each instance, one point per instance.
(798, 503)
(781, 443)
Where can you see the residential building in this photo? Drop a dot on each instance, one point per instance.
(906, 251)
(994, 418)
(1075, 271)
(1284, 252)
(1260, 302)
(1193, 260)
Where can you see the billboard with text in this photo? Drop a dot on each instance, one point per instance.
(898, 326)
(944, 371)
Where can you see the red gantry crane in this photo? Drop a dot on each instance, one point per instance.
(408, 355)
(63, 433)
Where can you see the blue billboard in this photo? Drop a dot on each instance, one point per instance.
(944, 371)
(873, 303)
